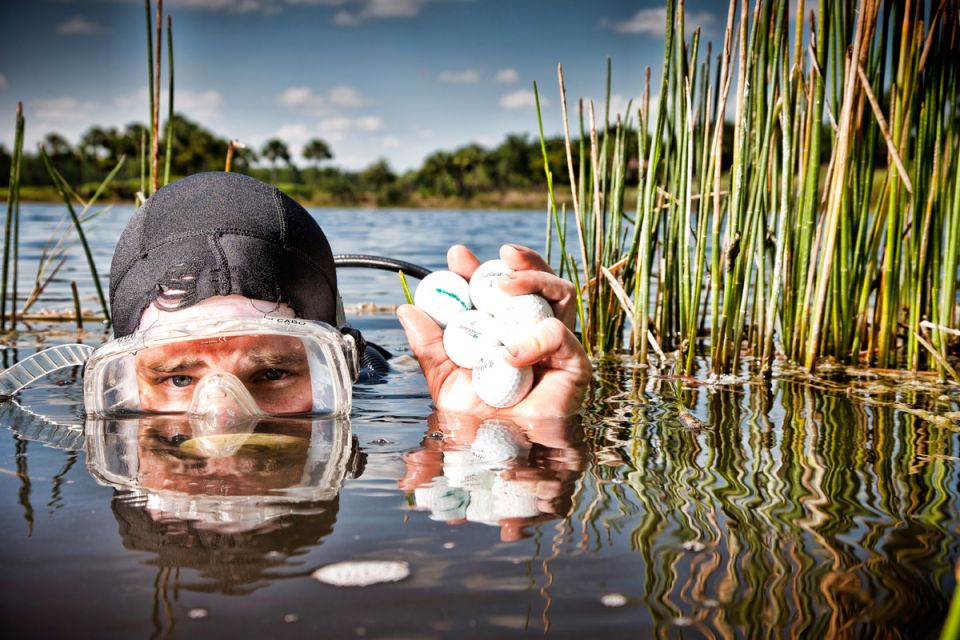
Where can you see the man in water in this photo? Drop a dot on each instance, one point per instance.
(224, 298)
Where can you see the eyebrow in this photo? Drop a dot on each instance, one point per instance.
(169, 366)
(277, 359)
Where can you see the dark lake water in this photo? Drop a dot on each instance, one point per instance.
(671, 508)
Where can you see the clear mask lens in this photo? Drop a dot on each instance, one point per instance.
(224, 370)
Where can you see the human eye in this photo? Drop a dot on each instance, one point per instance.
(274, 375)
(179, 381)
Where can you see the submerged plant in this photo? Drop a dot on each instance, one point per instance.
(834, 230)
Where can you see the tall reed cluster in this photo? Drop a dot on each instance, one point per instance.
(833, 233)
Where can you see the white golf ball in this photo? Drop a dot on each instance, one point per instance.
(468, 336)
(485, 291)
(499, 384)
(442, 295)
(519, 316)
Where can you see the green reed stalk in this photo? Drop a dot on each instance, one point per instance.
(168, 156)
(64, 189)
(849, 269)
(13, 208)
(151, 89)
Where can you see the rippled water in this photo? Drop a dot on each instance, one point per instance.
(673, 508)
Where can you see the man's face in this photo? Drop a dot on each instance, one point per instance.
(274, 370)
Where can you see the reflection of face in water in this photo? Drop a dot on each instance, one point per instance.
(495, 472)
(273, 369)
(230, 513)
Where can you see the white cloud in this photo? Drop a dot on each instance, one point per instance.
(507, 76)
(369, 123)
(379, 10)
(61, 109)
(346, 96)
(3, 82)
(337, 128)
(618, 106)
(467, 76)
(80, 26)
(302, 98)
(292, 133)
(202, 106)
(390, 142)
(306, 100)
(652, 22)
(522, 99)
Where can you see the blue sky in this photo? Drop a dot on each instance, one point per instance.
(375, 78)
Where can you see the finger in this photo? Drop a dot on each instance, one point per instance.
(550, 340)
(461, 261)
(560, 293)
(520, 258)
(426, 340)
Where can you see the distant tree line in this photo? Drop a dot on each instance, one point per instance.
(463, 174)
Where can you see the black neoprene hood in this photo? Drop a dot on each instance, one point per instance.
(217, 234)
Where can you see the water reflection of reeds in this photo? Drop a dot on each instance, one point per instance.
(776, 507)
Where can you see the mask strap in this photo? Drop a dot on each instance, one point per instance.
(42, 363)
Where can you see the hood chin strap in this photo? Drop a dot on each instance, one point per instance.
(42, 363)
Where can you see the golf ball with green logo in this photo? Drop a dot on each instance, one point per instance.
(442, 295)
(468, 336)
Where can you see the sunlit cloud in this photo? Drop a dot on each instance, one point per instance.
(80, 26)
(338, 128)
(390, 142)
(652, 22)
(507, 76)
(306, 100)
(379, 10)
(296, 134)
(522, 99)
(467, 76)
(61, 109)
(203, 106)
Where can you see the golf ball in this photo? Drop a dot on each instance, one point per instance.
(468, 336)
(485, 291)
(499, 384)
(519, 316)
(442, 295)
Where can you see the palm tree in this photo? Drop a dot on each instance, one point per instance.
(275, 149)
(318, 151)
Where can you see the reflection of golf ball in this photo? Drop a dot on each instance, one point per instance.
(468, 336)
(485, 291)
(442, 295)
(519, 316)
(497, 383)
(498, 444)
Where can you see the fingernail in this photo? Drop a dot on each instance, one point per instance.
(512, 349)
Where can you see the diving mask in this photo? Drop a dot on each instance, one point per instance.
(245, 367)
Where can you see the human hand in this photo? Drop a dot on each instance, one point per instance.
(561, 368)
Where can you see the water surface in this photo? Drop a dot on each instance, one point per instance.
(670, 509)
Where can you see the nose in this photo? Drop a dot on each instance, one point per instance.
(221, 399)
(223, 414)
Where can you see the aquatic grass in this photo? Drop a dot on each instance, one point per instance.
(66, 192)
(832, 231)
(13, 213)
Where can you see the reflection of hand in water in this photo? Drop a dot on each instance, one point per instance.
(495, 471)
(561, 368)
(231, 513)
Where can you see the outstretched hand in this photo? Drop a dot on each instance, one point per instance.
(560, 365)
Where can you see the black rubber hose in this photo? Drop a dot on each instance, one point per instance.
(379, 262)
